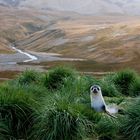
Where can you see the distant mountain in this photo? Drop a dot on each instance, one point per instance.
(10, 2)
(94, 7)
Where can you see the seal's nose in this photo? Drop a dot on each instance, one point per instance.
(94, 90)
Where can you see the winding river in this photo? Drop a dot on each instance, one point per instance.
(31, 57)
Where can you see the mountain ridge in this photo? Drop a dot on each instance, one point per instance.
(94, 7)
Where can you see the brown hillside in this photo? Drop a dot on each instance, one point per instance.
(101, 39)
(16, 24)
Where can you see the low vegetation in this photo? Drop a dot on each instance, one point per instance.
(56, 106)
(131, 124)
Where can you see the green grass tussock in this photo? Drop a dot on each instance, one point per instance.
(131, 122)
(135, 88)
(109, 89)
(16, 115)
(124, 79)
(55, 78)
(107, 129)
(56, 106)
(60, 124)
(28, 77)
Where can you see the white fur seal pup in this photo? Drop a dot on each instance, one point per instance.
(98, 103)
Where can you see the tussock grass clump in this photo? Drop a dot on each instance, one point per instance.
(135, 88)
(131, 122)
(28, 77)
(61, 124)
(16, 115)
(124, 79)
(55, 78)
(36, 91)
(109, 89)
(107, 129)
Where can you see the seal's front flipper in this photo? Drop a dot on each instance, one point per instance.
(108, 113)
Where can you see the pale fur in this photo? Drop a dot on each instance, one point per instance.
(97, 102)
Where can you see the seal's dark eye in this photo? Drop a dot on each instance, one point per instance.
(98, 89)
(92, 88)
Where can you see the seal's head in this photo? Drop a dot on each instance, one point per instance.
(95, 89)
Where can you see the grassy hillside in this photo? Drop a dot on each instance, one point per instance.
(56, 105)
